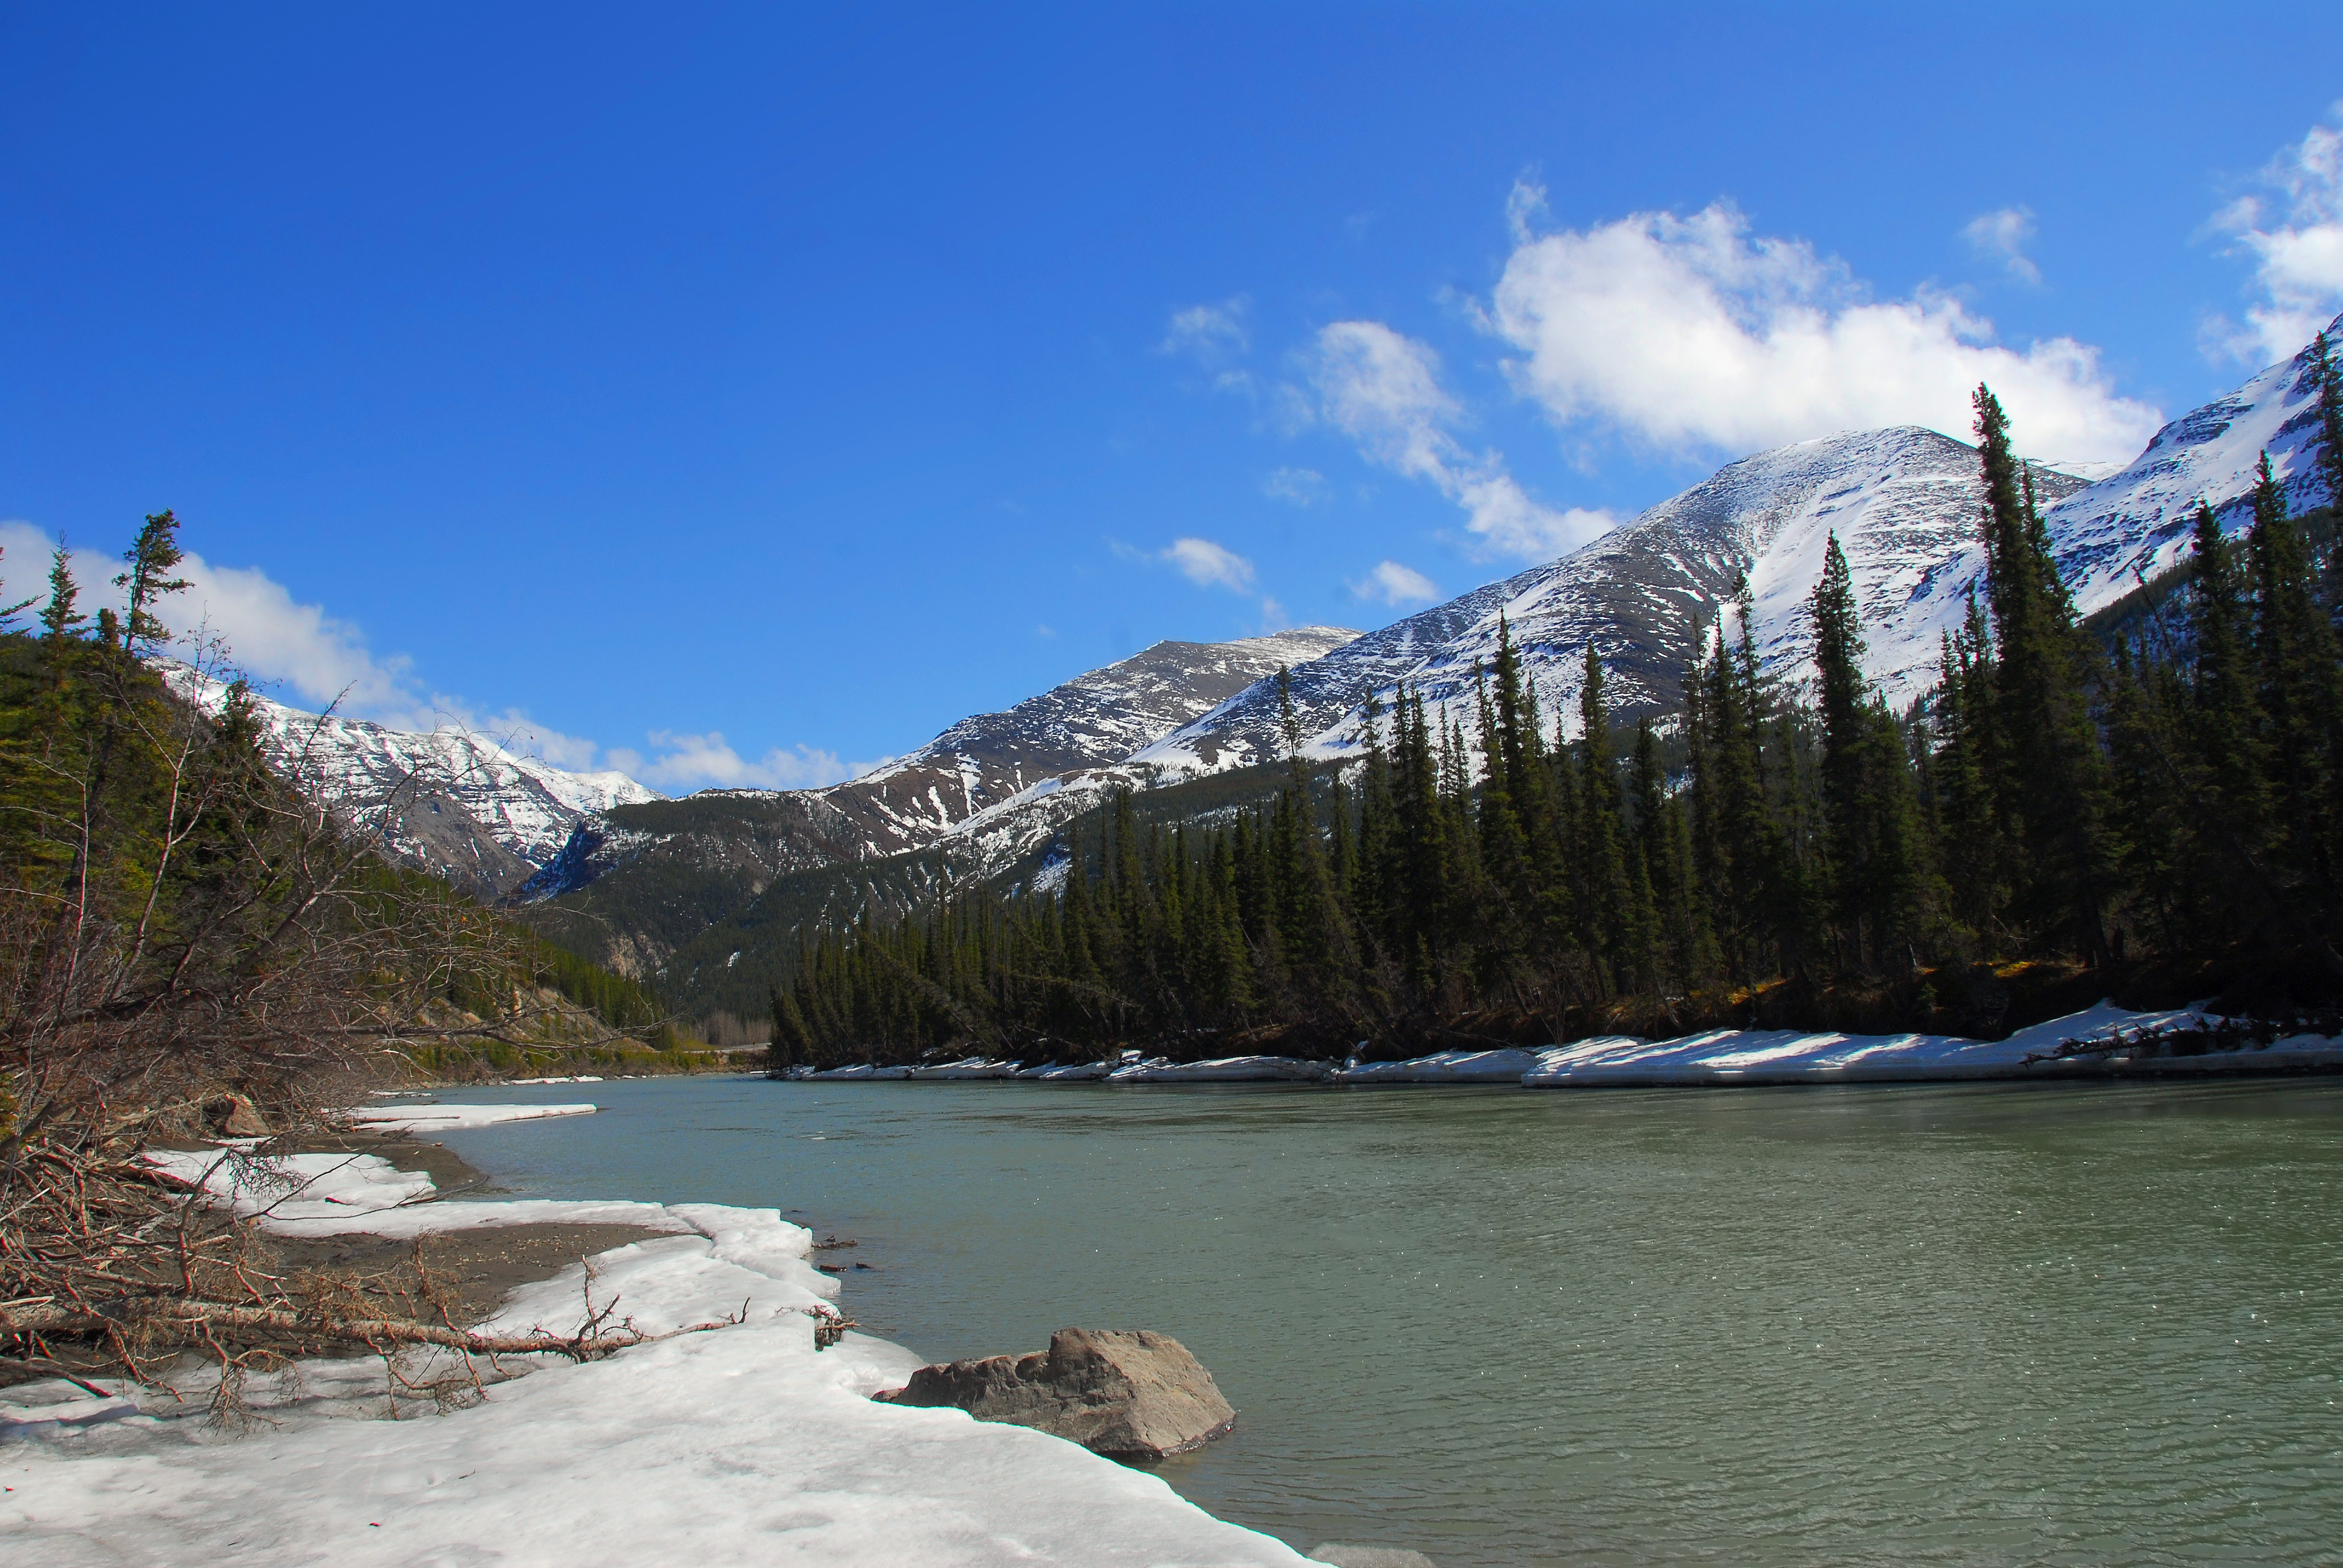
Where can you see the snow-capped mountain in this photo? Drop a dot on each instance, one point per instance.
(657, 875)
(2135, 524)
(1904, 504)
(1103, 717)
(457, 803)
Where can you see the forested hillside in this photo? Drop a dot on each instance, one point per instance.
(2155, 808)
(182, 920)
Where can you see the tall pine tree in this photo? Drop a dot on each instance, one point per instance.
(2053, 783)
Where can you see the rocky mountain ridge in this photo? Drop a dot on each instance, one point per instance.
(460, 804)
(634, 882)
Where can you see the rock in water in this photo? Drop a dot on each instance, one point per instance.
(1134, 1395)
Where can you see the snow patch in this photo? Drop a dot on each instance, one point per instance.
(453, 1118)
(740, 1445)
(1224, 1070)
(1501, 1066)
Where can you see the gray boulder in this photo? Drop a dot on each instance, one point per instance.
(1128, 1395)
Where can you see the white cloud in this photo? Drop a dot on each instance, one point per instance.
(1691, 333)
(699, 761)
(517, 732)
(1211, 334)
(1301, 487)
(2003, 236)
(1383, 389)
(1208, 565)
(2295, 236)
(1395, 585)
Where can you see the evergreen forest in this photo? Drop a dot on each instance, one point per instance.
(2151, 810)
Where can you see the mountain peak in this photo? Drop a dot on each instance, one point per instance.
(455, 801)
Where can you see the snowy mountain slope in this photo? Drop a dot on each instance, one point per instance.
(2135, 523)
(1902, 502)
(1099, 717)
(458, 803)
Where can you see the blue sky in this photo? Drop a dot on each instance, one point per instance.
(736, 395)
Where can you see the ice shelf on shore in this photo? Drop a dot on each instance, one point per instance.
(973, 1067)
(1508, 1064)
(452, 1117)
(1753, 1056)
(1222, 1069)
(738, 1444)
(331, 1195)
(2104, 1042)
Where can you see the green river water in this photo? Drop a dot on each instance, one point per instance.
(1891, 1324)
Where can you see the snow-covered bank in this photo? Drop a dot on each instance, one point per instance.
(452, 1117)
(332, 1195)
(737, 1446)
(1508, 1065)
(1224, 1070)
(2103, 1042)
(1720, 1057)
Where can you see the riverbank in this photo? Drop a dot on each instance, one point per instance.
(480, 1265)
(2105, 1041)
(727, 1437)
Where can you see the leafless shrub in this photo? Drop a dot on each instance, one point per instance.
(180, 928)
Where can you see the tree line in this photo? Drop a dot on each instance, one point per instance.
(2170, 789)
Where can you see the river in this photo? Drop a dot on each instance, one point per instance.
(1889, 1324)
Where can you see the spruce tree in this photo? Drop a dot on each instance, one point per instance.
(8, 613)
(59, 620)
(1611, 923)
(1663, 847)
(2227, 740)
(1738, 844)
(1972, 843)
(2327, 375)
(1846, 734)
(2140, 748)
(2301, 707)
(2052, 785)
(152, 558)
(1420, 907)
(1376, 889)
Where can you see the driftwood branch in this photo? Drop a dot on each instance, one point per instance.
(183, 1321)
